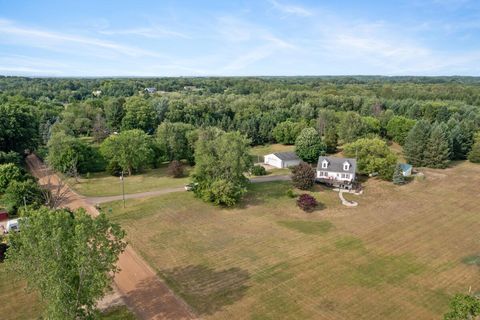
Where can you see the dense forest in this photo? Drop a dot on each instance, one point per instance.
(79, 125)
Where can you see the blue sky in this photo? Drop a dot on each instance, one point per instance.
(257, 37)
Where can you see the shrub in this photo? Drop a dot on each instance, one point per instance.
(291, 194)
(258, 171)
(303, 176)
(175, 169)
(221, 192)
(306, 202)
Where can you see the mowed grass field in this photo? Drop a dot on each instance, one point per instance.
(15, 302)
(398, 255)
(19, 304)
(103, 184)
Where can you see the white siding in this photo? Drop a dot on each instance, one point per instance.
(338, 176)
(274, 161)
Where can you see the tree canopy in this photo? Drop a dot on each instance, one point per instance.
(70, 258)
(221, 159)
(131, 150)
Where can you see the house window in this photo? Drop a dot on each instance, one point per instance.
(324, 164)
(346, 166)
(343, 175)
(347, 176)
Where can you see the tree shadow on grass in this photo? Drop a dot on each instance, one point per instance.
(207, 290)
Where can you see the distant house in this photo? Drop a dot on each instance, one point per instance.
(282, 159)
(97, 93)
(406, 169)
(151, 90)
(338, 172)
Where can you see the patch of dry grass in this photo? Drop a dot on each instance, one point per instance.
(398, 255)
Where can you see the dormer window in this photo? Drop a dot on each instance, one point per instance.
(324, 164)
(346, 166)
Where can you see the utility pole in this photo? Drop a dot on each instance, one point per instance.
(123, 189)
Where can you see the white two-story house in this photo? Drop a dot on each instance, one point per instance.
(338, 172)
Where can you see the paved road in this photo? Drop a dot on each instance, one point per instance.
(98, 200)
(145, 294)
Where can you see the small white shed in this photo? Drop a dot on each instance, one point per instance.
(282, 159)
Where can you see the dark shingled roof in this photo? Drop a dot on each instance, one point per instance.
(336, 164)
(287, 156)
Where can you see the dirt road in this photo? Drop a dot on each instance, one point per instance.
(145, 294)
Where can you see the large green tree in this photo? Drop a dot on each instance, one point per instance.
(474, 154)
(18, 127)
(69, 258)
(173, 141)
(72, 155)
(398, 128)
(373, 156)
(9, 172)
(416, 142)
(130, 150)
(139, 114)
(309, 145)
(437, 150)
(286, 132)
(22, 193)
(221, 159)
(351, 127)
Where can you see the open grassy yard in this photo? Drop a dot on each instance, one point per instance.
(15, 302)
(399, 255)
(103, 184)
(18, 304)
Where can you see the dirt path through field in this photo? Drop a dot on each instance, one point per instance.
(98, 200)
(145, 294)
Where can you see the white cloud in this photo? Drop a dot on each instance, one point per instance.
(147, 32)
(291, 9)
(28, 36)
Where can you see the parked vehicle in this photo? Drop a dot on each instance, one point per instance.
(190, 186)
(13, 225)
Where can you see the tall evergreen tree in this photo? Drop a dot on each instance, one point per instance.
(474, 154)
(437, 151)
(416, 142)
(461, 135)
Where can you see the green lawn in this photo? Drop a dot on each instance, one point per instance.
(103, 184)
(399, 255)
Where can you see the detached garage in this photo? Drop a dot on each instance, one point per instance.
(282, 159)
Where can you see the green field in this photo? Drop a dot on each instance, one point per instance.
(103, 184)
(399, 255)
